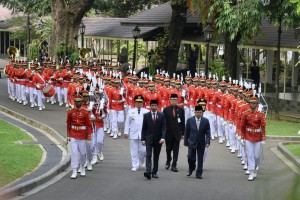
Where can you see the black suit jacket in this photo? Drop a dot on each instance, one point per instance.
(197, 138)
(174, 129)
(153, 133)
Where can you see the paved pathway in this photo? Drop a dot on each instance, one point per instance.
(223, 177)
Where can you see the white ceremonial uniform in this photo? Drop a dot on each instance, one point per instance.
(133, 128)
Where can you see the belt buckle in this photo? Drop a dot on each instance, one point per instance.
(77, 128)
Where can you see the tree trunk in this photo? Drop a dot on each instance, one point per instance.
(230, 55)
(277, 70)
(67, 18)
(178, 20)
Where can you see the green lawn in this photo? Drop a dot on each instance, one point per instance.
(282, 128)
(16, 159)
(294, 148)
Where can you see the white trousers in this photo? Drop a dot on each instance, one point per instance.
(97, 141)
(18, 92)
(226, 130)
(212, 123)
(231, 129)
(59, 94)
(78, 152)
(187, 113)
(220, 126)
(8, 87)
(117, 120)
(32, 95)
(65, 94)
(23, 92)
(138, 152)
(254, 150)
(13, 89)
(40, 97)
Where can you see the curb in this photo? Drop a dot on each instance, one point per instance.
(290, 156)
(48, 131)
(284, 138)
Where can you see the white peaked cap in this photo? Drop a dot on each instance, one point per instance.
(229, 79)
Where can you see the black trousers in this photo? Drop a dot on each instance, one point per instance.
(156, 151)
(192, 153)
(172, 145)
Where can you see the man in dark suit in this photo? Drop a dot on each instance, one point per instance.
(153, 136)
(175, 130)
(196, 137)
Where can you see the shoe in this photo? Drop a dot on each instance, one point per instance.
(40, 108)
(111, 134)
(220, 140)
(245, 167)
(35, 104)
(48, 100)
(52, 102)
(32, 105)
(115, 136)
(134, 169)
(43, 107)
(74, 174)
(119, 133)
(247, 172)
(24, 103)
(143, 166)
(105, 129)
(251, 176)
(82, 173)
(199, 177)
(243, 162)
(254, 173)
(147, 175)
(79, 170)
(227, 144)
(257, 168)
(94, 160)
(61, 103)
(216, 136)
(189, 173)
(109, 131)
(154, 175)
(239, 155)
(101, 156)
(232, 149)
(167, 165)
(174, 169)
(89, 166)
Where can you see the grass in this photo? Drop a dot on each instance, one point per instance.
(294, 148)
(16, 159)
(282, 128)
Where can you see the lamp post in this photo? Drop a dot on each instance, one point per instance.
(136, 33)
(82, 31)
(208, 35)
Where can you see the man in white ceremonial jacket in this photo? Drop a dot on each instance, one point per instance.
(133, 129)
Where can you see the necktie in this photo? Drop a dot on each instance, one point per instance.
(174, 113)
(153, 118)
(139, 110)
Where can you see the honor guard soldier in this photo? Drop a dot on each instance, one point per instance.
(253, 135)
(79, 130)
(133, 129)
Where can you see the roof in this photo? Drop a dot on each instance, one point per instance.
(266, 38)
(158, 17)
(110, 28)
(5, 13)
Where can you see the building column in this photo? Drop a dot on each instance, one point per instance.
(269, 66)
(295, 71)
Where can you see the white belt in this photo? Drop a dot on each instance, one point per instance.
(180, 104)
(147, 106)
(117, 101)
(253, 130)
(210, 102)
(130, 98)
(67, 81)
(78, 127)
(41, 84)
(219, 106)
(21, 79)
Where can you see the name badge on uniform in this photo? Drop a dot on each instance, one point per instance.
(178, 119)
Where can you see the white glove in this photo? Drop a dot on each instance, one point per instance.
(230, 125)
(263, 142)
(243, 142)
(238, 137)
